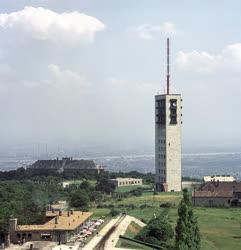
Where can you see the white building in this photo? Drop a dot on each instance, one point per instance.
(221, 178)
(121, 182)
(168, 139)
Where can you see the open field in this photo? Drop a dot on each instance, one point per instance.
(130, 188)
(220, 227)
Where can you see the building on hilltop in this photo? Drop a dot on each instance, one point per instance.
(61, 226)
(67, 164)
(218, 193)
(168, 139)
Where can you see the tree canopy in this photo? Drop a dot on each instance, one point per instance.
(187, 231)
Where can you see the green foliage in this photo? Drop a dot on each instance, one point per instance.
(96, 196)
(26, 200)
(166, 205)
(158, 230)
(103, 184)
(137, 192)
(85, 185)
(187, 231)
(114, 212)
(79, 199)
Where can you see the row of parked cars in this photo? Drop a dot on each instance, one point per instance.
(88, 229)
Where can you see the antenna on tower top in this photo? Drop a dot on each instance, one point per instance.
(168, 67)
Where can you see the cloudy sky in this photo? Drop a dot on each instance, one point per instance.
(86, 72)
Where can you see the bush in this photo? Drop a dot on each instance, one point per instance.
(131, 206)
(114, 212)
(166, 205)
(79, 199)
(157, 231)
(137, 192)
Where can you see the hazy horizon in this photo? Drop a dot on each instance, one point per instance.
(83, 74)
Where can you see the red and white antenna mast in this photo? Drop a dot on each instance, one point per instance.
(168, 68)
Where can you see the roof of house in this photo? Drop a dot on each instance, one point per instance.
(65, 163)
(222, 186)
(218, 189)
(66, 221)
(212, 194)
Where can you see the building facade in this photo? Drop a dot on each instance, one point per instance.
(60, 227)
(122, 182)
(168, 142)
(218, 194)
(223, 178)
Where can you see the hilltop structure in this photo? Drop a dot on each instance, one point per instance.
(168, 139)
(65, 164)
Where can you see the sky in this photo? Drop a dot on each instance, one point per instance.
(84, 73)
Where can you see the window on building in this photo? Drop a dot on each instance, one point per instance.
(161, 112)
(173, 111)
(210, 203)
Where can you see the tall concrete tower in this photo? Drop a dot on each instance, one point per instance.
(168, 139)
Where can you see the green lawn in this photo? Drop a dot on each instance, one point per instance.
(220, 227)
(130, 188)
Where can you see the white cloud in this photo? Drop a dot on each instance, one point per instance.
(47, 25)
(67, 79)
(147, 31)
(202, 61)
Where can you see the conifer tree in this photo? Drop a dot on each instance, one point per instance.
(187, 231)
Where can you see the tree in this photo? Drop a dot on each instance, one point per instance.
(114, 212)
(85, 185)
(79, 199)
(187, 231)
(158, 230)
(96, 196)
(104, 185)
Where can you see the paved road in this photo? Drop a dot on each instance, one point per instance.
(120, 230)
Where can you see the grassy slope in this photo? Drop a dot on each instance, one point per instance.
(131, 231)
(220, 227)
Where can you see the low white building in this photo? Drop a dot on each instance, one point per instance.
(121, 182)
(221, 178)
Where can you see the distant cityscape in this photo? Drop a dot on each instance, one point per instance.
(193, 164)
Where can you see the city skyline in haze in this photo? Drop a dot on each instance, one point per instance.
(84, 73)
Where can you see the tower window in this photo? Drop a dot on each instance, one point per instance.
(173, 111)
(161, 112)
